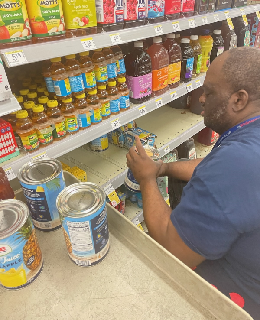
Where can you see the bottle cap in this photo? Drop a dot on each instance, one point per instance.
(46, 93)
(67, 100)
(194, 37)
(58, 59)
(102, 87)
(217, 31)
(32, 95)
(98, 50)
(22, 114)
(185, 40)
(81, 96)
(19, 99)
(26, 84)
(70, 56)
(29, 105)
(24, 92)
(41, 89)
(13, 113)
(52, 103)
(38, 108)
(138, 44)
(33, 87)
(157, 40)
(43, 99)
(121, 79)
(111, 83)
(170, 36)
(93, 92)
(84, 54)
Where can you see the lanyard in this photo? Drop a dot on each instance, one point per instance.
(235, 128)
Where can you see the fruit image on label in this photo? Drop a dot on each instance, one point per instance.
(96, 115)
(105, 109)
(30, 142)
(139, 86)
(45, 135)
(14, 21)
(160, 78)
(174, 72)
(71, 124)
(155, 8)
(89, 79)
(134, 10)
(59, 130)
(101, 73)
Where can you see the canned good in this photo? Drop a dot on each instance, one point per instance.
(99, 144)
(83, 213)
(20, 255)
(42, 181)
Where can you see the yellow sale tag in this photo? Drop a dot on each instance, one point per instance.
(258, 15)
(140, 227)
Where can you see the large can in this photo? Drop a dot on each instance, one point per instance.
(42, 181)
(20, 254)
(83, 213)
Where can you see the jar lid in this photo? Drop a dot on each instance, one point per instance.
(81, 96)
(121, 79)
(24, 92)
(22, 114)
(111, 83)
(32, 95)
(58, 59)
(93, 92)
(67, 100)
(29, 104)
(38, 108)
(43, 99)
(52, 103)
(70, 56)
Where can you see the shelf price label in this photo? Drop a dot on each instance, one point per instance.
(88, 44)
(159, 103)
(244, 17)
(136, 221)
(115, 124)
(257, 12)
(192, 23)
(10, 174)
(176, 26)
(167, 149)
(189, 87)
(204, 20)
(173, 95)
(216, 17)
(15, 58)
(40, 156)
(142, 110)
(115, 38)
(226, 13)
(111, 194)
(230, 23)
(158, 29)
(198, 83)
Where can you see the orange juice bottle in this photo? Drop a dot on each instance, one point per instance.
(84, 112)
(71, 116)
(87, 70)
(94, 103)
(28, 106)
(60, 79)
(42, 125)
(58, 120)
(43, 101)
(26, 131)
(105, 101)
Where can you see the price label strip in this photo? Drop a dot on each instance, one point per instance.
(115, 124)
(176, 26)
(158, 29)
(88, 44)
(159, 103)
(189, 87)
(10, 174)
(198, 83)
(142, 110)
(216, 17)
(204, 20)
(40, 156)
(192, 23)
(173, 95)
(230, 23)
(112, 195)
(167, 149)
(115, 38)
(15, 58)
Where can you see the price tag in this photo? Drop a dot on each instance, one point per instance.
(140, 227)
(176, 26)
(204, 20)
(192, 23)
(40, 156)
(15, 58)
(115, 38)
(159, 103)
(88, 44)
(226, 13)
(167, 149)
(136, 221)
(244, 17)
(10, 174)
(230, 23)
(142, 110)
(112, 195)
(173, 95)
(158, 29)
(115, 124)
(258, 15)
(198, 83)
(216, 17)
(189, 87)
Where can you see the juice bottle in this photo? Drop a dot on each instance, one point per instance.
(201, 6)
(187, 7)
(93, 102)
(134, 13)
(206, 43)
(111, 63)
(43, 100)
(42, 125)
(40, 91)
(139, 74)
(26, 131)
(87, 70)
(71, 116)
(60, 78)
(14, 26)
(28, 106)
(6, 192)
(160, 66)
(105, 101)
(100, 66)
(218, 45)
(11, 118)
(229, 36)
(110, 15)
(80, 17)
(46, 20)
(174, 51)
(84, 112)
(114, 97)
(75, 75)
(58, 120)
(172, 9)
(194, 42)
(123, 89)
(187, 60)
(32, 96)
(120, 63)
(46, 72)
(242, 32)
(155, 11)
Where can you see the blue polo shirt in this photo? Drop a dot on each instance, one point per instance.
(219, 213)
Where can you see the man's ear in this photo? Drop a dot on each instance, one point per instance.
(239, 100)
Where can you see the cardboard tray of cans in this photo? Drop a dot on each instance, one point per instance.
(138, 279)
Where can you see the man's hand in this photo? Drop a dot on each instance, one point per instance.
(142, 166)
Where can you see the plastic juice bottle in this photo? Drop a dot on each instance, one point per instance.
(134, 13)
(111, 63)
(194, 42)
(120, 63)
(187, 7)
(242, 32)
(11, 118)
(139, 74)
(160, 66)
(32, 96)
(46, 20)
(42, 125)
(80, 17)
(155, 11)
(14, 31)
(6, 192)
(87, 70)
(172, 9)
(40, 91)
(218, 45)
(174, 51)
(100, 67)
(229, 36)
(71, 116)
(206, 43)
(75, 75)
(94, 103)
(114, 96)
(28, 106)
(58, 120)
(26, 131)
(60, 78)
(201, 6)
(178, 38)
(33, 87)
(43, 100)
(187, 60)
(124, 91)
(46, 72)
(84, 112)
(105, 101)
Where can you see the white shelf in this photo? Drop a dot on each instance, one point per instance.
(8, 106)
(48, 50)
